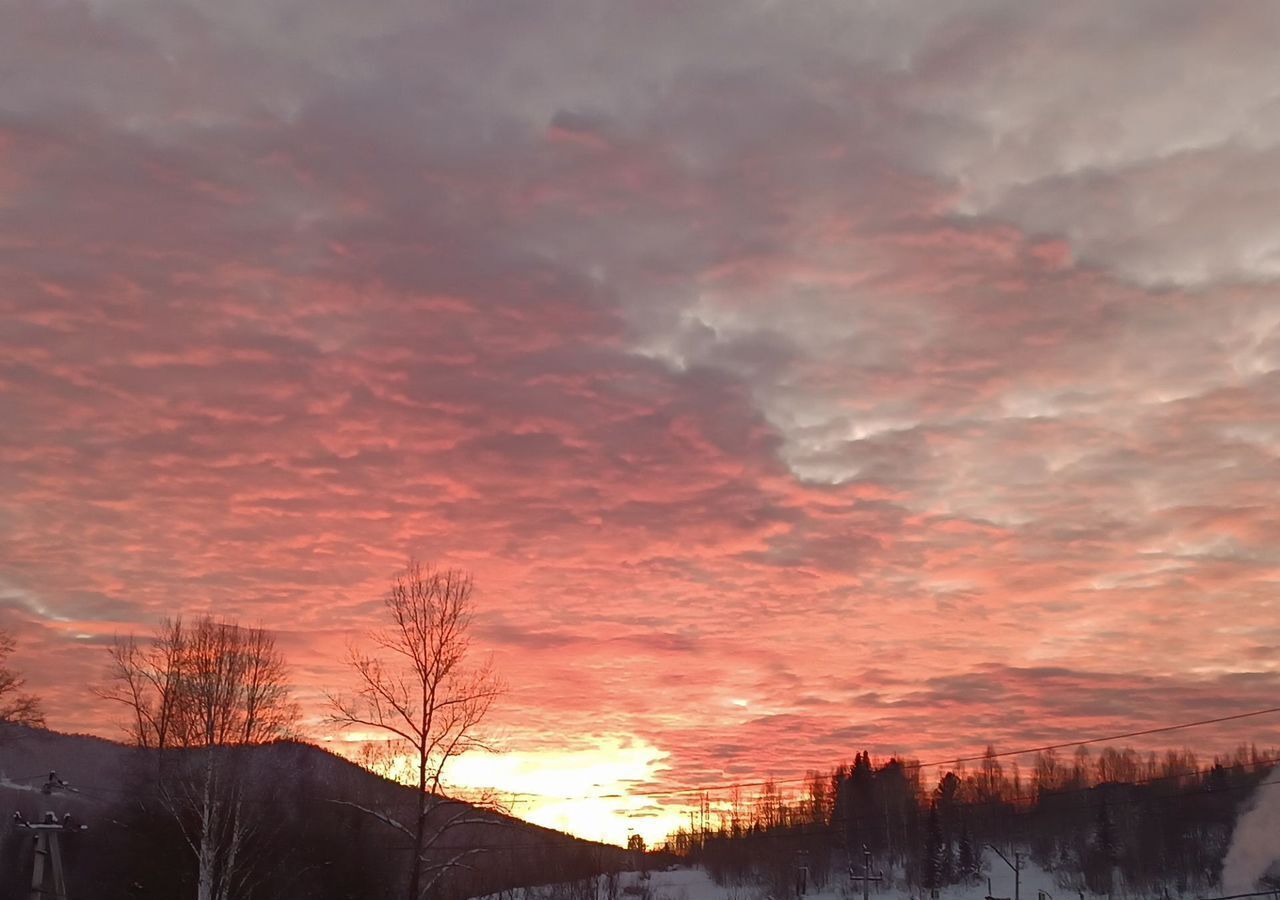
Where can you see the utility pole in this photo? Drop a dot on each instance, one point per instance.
(866, 877)
(48, 854)
(48, 851)
(1016, 865)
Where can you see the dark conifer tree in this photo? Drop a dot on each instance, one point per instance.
(968, 865)
(932, 851)
(1101, 856)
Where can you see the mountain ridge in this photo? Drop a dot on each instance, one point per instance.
(312, 808)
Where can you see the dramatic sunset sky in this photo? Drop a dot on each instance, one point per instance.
(795, 378)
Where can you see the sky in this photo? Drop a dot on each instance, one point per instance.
(794, 378)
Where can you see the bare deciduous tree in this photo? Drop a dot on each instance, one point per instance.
(420, 689)
(191, 692)
(16, 708)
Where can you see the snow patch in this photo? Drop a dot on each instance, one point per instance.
(1255, 844)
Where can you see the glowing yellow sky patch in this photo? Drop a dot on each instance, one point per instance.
(595, 792)
(589, 791)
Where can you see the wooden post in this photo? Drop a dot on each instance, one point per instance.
(48, 854)
(55, 857)
(866, 876)
(37, 866)
(1016, 865)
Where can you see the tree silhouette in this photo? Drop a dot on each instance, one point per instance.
(420, 688)
(16, 707)
(192, 692)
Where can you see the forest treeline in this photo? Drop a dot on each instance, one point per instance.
(1102, 822)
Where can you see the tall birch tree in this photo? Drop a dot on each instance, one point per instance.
(193, 693)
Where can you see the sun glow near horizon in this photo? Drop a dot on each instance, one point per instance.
(595, 790)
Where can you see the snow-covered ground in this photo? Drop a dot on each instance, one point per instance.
(696, 884)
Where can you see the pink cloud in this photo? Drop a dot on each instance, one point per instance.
(764, 442)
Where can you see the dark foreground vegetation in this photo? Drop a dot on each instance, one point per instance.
(1110, 822)
(302, 811)
(214, 798)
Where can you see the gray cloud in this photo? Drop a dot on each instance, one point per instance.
(756, 326)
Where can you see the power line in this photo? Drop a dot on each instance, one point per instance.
(1200, 773)
(952, 760)
(804, 830)
(906, 765)
(813, 829)
(807, 829)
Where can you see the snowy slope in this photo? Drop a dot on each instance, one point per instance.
(696, 884)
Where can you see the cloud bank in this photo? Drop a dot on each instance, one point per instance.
(795, 379)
